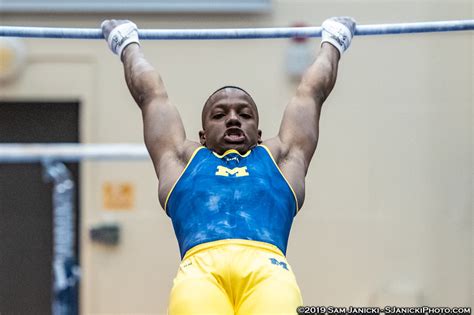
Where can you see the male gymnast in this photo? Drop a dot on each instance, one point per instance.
(232, 197)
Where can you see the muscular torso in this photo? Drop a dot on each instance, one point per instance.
(172, 166)
(231, 196)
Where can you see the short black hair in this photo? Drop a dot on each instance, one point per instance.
(223, 88)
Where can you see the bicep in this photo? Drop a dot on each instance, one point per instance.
(163, 129)
(299, 129)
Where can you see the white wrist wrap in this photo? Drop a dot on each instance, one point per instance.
(336, 34)
(121, 36)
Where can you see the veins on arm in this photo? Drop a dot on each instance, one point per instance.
(144, 83)
(164, 133)
(299, 129)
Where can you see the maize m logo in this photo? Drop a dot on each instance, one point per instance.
(237, 171)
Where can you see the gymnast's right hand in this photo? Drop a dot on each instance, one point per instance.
(119, 34)
(338, 31)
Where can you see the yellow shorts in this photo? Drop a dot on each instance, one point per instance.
(234, 277)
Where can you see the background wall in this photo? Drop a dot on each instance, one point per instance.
(388, 213)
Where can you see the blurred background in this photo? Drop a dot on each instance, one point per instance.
(388, 213)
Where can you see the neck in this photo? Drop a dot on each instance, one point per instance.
(240, 150)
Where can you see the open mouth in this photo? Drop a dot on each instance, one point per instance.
(234, 135)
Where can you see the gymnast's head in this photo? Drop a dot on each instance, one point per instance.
(230, 121)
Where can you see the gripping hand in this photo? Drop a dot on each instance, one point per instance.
(338, 31)
(119, 34)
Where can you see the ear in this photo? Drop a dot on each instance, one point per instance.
(259, 140)
(202, 137)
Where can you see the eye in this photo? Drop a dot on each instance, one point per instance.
(245, 115)
(218, 116)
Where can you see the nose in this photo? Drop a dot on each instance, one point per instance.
(232, 120)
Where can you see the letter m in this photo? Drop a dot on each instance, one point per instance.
(237, 172)
(278, 263)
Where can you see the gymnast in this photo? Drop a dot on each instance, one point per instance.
(232, 197)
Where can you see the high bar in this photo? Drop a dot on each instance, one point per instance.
(70, 152)
(237, 33)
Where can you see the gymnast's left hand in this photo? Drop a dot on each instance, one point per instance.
(119, 34)
(338, 31)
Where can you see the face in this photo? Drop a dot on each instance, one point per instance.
(230, 121)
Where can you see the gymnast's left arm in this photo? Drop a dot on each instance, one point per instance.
(298, 134)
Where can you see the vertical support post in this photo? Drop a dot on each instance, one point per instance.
(66, 271)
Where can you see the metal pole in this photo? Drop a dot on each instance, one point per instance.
(239, 33)
(65, 266)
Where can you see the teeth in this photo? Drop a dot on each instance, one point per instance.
(234, 132)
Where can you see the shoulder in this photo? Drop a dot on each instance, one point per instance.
(288, 153)
(189, 149)
(173, 162)
(277, 149)
(290, 164)
(173, 166)
(181, 154)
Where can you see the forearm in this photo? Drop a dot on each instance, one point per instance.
(142, 79)
(299, 131)
(318, 81)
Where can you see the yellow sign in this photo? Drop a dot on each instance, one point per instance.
(118, 196)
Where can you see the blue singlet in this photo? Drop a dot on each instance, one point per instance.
(231, 196)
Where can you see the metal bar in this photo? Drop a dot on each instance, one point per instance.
(238, 33)
(69, 152)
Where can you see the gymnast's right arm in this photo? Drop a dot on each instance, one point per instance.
(164, 132)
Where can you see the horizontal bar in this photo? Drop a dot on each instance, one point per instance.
(238, 33)
(70, 152)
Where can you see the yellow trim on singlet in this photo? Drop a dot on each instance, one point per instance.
(172, 188)
(233, 241)
(289, 185)
(231, 151)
